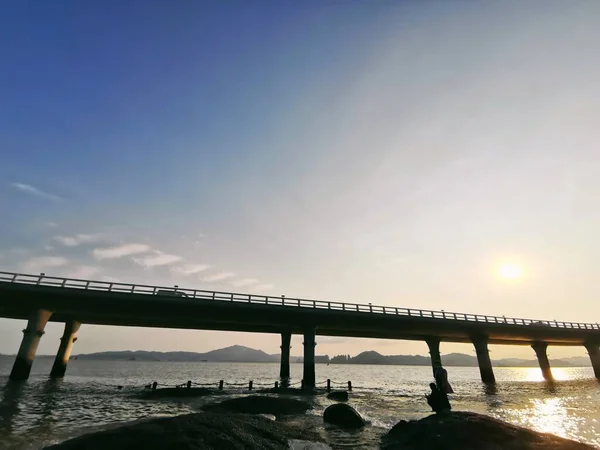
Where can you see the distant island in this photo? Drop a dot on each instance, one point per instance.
(239, 353)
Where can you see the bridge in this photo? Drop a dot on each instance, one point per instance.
(40, 299)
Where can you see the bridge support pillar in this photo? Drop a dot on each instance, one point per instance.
(484, 361)
(31, 339)
(309, 376)
(594, 352)
(64, 350)
(434, 352)
(540, 350)
(284, 368)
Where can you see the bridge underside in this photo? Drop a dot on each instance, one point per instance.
(138, 310)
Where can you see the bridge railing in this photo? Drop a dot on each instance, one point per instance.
(176, 291)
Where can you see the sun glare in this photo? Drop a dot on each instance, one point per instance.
(510, 271)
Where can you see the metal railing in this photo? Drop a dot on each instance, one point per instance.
(176, 291)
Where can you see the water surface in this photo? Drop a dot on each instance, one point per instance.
(41, 411)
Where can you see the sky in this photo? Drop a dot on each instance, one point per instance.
(393, 152)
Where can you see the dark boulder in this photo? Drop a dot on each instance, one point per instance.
(470, 431)
(193, 432)
(178, 392)
(261, 404)
(343, 415)
(338, 396)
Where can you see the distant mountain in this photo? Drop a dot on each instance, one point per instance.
(235, 353)
(239, 353)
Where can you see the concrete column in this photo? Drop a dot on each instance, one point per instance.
(64, 350)
(309, 358)
(540, 350)
(284, 368)
(434, 352)
(483, 359)
(31, 339)
(594, 352)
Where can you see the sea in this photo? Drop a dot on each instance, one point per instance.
(41, 411)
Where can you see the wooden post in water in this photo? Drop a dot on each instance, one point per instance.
(220, 385)
(328, 385)
(250, 385)
(349, 385)
(154, 385)
(189, 384)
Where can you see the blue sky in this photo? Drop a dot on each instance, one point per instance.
(387, 152)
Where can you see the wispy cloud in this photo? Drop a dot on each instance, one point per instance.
(244, 282)
(157, 259)
(120, 251)
(39, 264)
(35, 191)
(190, 269)
(51, 224)
(84, 272)
(219, 276)
(73, 241)
(263, 287)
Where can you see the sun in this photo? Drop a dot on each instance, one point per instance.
(510, 271)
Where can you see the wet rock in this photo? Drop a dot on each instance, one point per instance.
(194, 432)
(338, 396)
(261, 404)
(178, 393)
(470, 431)
(287, 391)
(343, 415)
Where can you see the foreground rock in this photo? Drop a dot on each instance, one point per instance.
(194, 432)
(343, 415)
(261, 404)
(338, 396)
(470, 431)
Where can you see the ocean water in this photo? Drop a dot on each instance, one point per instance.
(40, 411)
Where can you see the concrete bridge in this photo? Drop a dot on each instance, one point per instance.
(40, 299)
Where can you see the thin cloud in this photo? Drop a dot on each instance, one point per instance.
(120, 251)
(73, 241)
(40, 264)
(84, 272)
(244, 282)
(158, 259)
(35, 191)
(263, 287)
(219, 276)
(190, 269)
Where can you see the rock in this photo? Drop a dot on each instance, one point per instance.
(194, 432)
(287, 391)
(339, 396)
(261, 404)
(343, 415)
(178, 392)
(471, 431)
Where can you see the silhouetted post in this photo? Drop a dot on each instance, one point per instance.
(594, 352)
(189, 384)
(349, 385)
(328, 385)
(250, 385)
(483, 359)
(31, 339)
(434, 352)
(309, 358)
(220, 385)
(276, 385)
(284, 368)
(154, 385)
(540, 350)
(301, 385)
(59, 368)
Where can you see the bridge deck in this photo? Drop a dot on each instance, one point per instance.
(105, 303)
